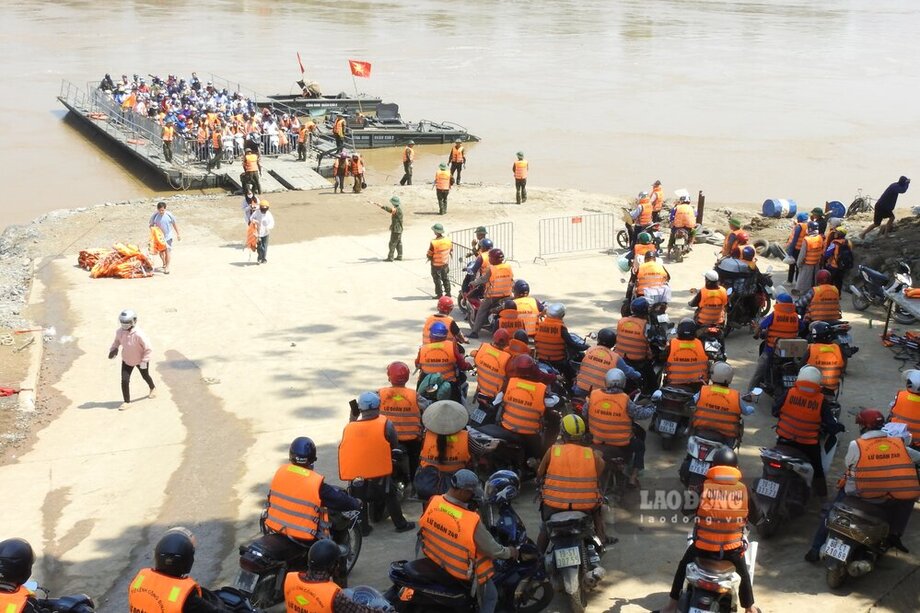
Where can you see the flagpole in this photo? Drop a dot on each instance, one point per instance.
(355, 81)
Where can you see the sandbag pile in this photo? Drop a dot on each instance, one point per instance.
(123, 261)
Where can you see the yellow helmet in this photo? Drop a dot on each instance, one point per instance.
(573, 426)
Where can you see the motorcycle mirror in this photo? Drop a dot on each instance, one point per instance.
(31, 585)
(552, 401)
(498, 399)
(729, 291)
(656, 395)
(757, 391)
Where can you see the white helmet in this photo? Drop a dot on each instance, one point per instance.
(642, 195)
(722, 374)
(685, 199)
(810, 374)
(615, 378)
(127, 319)
(556, 309)
(912, 380)
(711, 275)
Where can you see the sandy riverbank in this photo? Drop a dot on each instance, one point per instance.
(248, 357)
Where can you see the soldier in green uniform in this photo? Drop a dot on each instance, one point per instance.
(396, 227)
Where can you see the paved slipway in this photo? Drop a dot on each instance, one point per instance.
(247, 357)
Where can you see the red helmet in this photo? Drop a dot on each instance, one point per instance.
(823, 277)
(445, 305)
(523, 366)
(501, 338)
(870, 419)
(743, 237)
(398, 373)
(496, 256)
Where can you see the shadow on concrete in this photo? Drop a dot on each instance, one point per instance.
(114, 404)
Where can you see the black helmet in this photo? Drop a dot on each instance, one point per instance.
(324, 555)
(16, 559)
(520, 288)
(639, 307)
(509, 305)
(303, 451)
(821, 332)
(607, 337)
(175, 553)
(725, 457)
(686, 329)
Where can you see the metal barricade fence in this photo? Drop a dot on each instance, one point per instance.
(459, 258)
(502, 235)
(559, 235)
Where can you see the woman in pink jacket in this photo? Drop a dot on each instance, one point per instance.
(135, 351)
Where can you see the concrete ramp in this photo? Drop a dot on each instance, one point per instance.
(288, 173)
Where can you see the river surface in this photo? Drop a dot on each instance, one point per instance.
(803, 99)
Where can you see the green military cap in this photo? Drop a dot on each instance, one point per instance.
(394, 200)
(481, 230)
(734, 222)
(438, 228)
(443, 166)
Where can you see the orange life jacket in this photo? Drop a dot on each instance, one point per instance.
(442, 180)
(528, 312)
(250, 162)
(651, 274)
(885, 470)
(364, 450)
(523, 406)
(814, 249)
(447, 535)
(339, 127)
(827, 358)
(684, 217)
(571, 479)
(15, 601)
(456, 154)
(548, 340)
(490, 369)
(711, 309)
(803, 232)
(718, 409)
(252, 236)
(440, 251)
(153, 592)
(447, 320)
(906, 410)
(639, 251)
(723, 510)
(645, 215)
(785, 323)
(520, 169)
(456, 454)
(658, 193)
(357, 167)
(439, 358)
(501, 279)
(294, 504)
(632, 343)
(302, 596)
(400, 406)
(800, 415)
(168, 133)
(687, 362)
(834, 260)
(508, 320)
(608, 418)
(408, 154)
(825, 304)
(216, 138)
(593, 372)
(516, 347)
(157, 240)
(730, 242)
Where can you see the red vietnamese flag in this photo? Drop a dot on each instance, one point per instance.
(360, 69)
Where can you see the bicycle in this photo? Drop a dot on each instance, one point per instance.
(861, 204)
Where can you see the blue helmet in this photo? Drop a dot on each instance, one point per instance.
(369, 401)
(437, 332)
(486, 244)
(302, 451)
(784, 298)
(639, 307)
(801, 217)
(502, 485)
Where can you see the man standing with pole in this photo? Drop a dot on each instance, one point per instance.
(396, 227)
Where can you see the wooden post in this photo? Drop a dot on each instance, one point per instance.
(700, 205)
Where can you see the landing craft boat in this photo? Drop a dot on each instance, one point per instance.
(323, 105)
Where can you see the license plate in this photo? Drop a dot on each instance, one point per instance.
(246, 581)
(570, 556)
(680, 241)
(767, 488)
(696, 610)
(789, 381)
(663, 318)
(478, 415)
(666, 426)
(837, 549)
(699, 467)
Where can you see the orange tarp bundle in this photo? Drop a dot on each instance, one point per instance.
(123, 262)
(252, 236)
(157, 240)
(88, 257)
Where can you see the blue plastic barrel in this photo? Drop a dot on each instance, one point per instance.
(776, 207)
(835, 208)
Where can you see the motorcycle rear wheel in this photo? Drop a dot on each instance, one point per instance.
(675, 254)
(767, 528)
(836, 576)
(902, 317)
(354, 541)
(532, 596)
(623, 239)
(860, 303)
(577, 602)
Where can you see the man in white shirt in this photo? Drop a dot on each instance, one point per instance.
(265, 222)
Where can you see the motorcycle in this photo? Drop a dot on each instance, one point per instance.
(857, 537)
(783, 489)
(680, 246)
(372, 491)
(75, 603)
(494, 448)
(573, 558)
(748, 303)
(784, 364)
(265, 562)
(713, 342)
(625, 237)
(702, 447)
(673, 410)
(712, 585)
(522, 584)
(872, 289)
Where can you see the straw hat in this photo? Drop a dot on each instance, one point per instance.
(445, 417)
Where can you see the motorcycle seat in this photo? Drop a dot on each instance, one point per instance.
(564, 517)
(425, 572)
(792, 452)
(711, 436)
(715, 566)
(864, 509)
(879, 277)
(496, 431)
